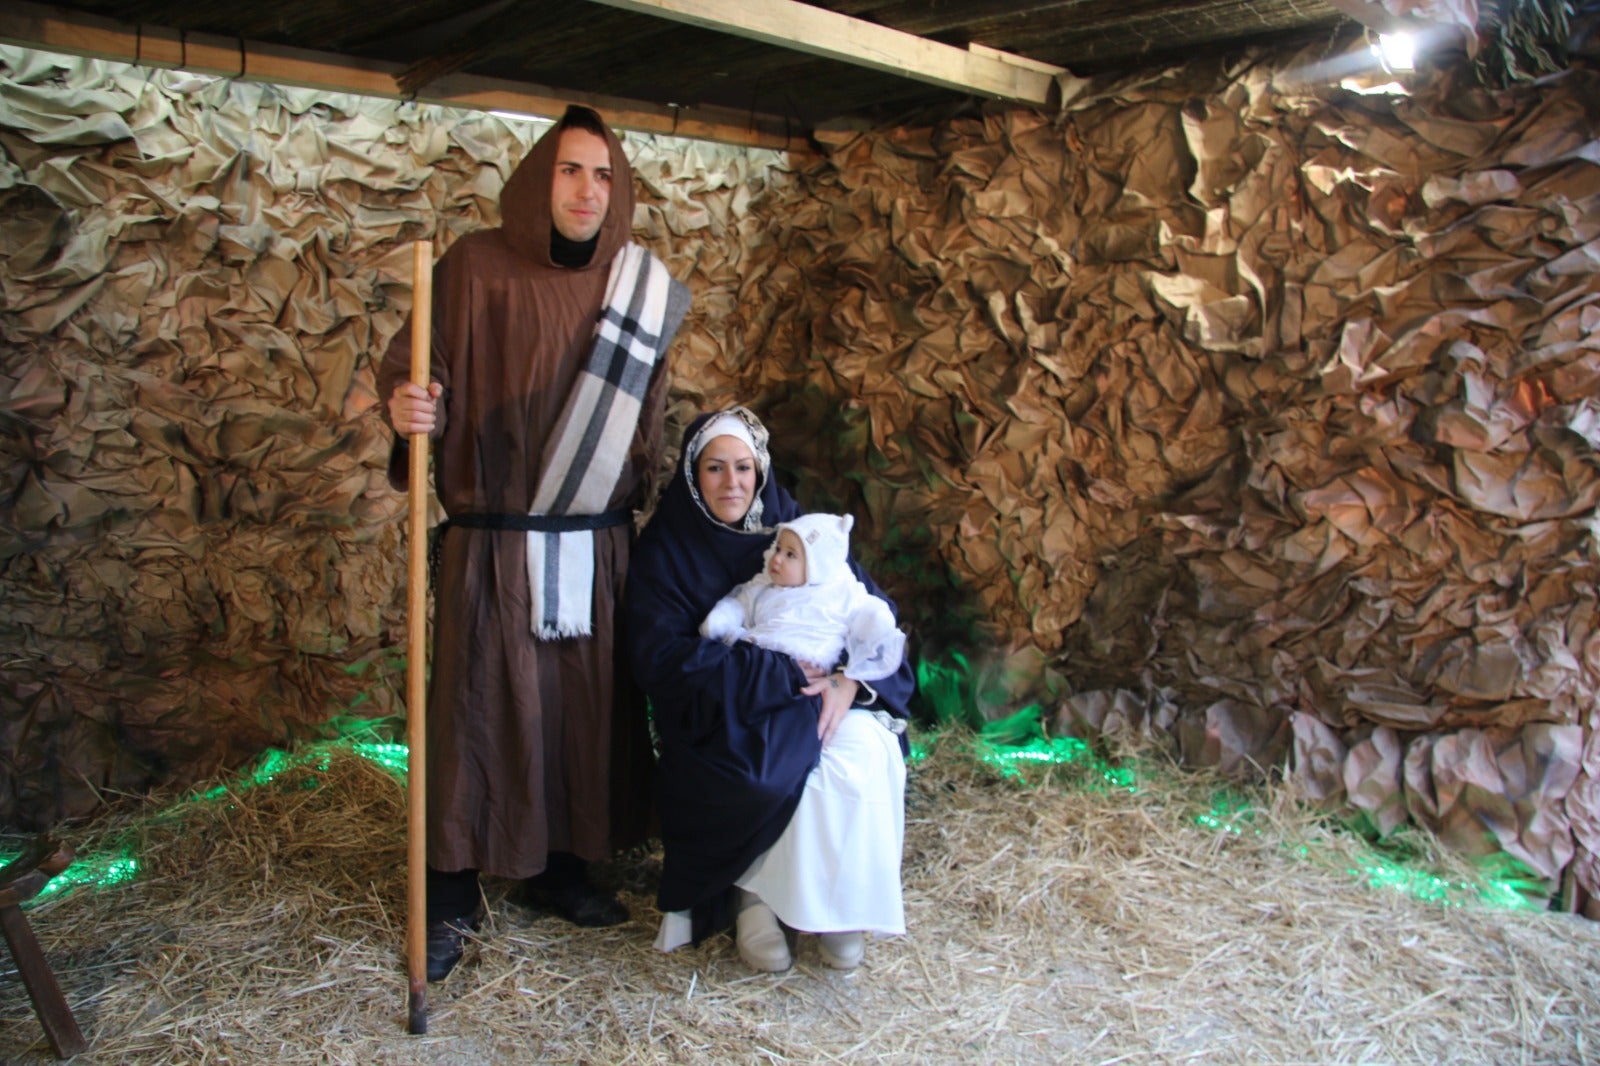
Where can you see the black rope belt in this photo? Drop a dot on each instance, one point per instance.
(527, 523)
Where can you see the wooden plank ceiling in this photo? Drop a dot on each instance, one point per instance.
(778, 67)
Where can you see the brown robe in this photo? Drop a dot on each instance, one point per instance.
(533, 746)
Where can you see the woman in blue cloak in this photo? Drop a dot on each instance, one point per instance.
(780, 791)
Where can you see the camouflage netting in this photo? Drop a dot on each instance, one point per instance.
(200, 555)
(1258, 419)
(1233, 410)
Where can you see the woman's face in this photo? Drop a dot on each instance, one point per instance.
(726, 473)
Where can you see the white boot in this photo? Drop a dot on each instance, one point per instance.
(842, 951)
(762, 944)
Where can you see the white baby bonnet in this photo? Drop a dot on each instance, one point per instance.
(827, 543)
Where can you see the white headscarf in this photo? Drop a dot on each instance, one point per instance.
(741, 424)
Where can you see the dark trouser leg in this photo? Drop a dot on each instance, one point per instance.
(451, 895)
(564, 889)
(453, 912)
(562, 869)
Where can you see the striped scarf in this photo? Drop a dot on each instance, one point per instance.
(585, 453)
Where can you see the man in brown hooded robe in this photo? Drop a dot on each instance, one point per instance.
(537, 757)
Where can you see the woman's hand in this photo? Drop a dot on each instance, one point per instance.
(413, 409)
(812, 671)
(837, 692)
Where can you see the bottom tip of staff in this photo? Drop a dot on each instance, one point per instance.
(417, 1021)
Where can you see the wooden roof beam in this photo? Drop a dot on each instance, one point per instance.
(1375, 16)
(1370, 14)
(74, 33)
(820, 32)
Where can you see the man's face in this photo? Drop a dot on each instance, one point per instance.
(788, 564)
(581, 191)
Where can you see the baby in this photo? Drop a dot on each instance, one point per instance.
(807, 603)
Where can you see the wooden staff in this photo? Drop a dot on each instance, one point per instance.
(417, 655)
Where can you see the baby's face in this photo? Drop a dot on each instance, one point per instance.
(787, 567)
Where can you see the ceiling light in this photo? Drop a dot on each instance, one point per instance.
(1397, 51)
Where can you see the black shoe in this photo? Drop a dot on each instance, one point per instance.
(575, 900)
(447, 941)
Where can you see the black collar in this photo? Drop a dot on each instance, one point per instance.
(571, 254)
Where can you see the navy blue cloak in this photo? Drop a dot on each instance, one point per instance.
(736, 735)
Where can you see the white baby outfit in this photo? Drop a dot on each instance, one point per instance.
(831, 615)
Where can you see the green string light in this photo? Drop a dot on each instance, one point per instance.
(116, 868)
(946, 689)
(1012, 746)
(1010, 760)
(1015, 744)
(98, 871)
(1500, 893)
(1502, 883)
(392, 757)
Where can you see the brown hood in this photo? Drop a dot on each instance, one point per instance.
(525, 203)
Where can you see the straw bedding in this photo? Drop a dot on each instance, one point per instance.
(1057, 920)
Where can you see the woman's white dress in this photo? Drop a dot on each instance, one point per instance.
(836, 868)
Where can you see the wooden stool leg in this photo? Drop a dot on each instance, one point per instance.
(48, 1003)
